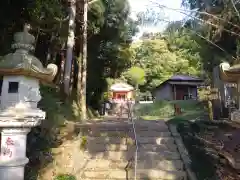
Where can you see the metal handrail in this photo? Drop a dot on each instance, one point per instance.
(136, 141)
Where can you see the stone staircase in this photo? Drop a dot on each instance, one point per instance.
(109, 152)
(158, 156)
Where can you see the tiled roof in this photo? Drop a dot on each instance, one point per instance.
(184, 78)
(181, 78)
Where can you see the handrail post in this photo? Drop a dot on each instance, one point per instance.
(131, 119)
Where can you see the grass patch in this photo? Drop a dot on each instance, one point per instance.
(157, 109)
(65, 177)
(165, 110)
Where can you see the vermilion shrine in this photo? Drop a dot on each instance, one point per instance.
(22, 73)
(121, 92)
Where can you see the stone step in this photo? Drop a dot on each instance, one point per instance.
(120, 129)
(117, 133)
(151, 174)
(109, 134)
(152, 128)
(109, 124)
(150, 123)
(103, 164)
(152, 134)
(121, 140)
(106, 147)
(162, 155)
(107, 131)
(127, 155)
(154, 174)
(111, 155)
(158, 148)
(108, 140)
(156, 140)
(166, 165)
(103, 128)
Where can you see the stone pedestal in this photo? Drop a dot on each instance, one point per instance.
(13, 146)
(235, 115)
(13, 170)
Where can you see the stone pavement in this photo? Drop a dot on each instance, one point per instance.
(109, 151)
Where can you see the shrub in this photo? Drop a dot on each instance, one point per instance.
(65, 177)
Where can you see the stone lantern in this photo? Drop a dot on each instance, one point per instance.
(22, 73)
(231, 74)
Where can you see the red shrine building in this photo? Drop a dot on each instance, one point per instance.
(121, 92)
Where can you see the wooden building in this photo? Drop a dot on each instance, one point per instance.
(178, 87)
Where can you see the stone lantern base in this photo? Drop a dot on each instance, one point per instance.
(13, 142)
(13, 169)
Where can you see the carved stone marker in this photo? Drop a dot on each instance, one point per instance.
(22, 73)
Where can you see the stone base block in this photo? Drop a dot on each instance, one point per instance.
(13, 170)
(235, 116)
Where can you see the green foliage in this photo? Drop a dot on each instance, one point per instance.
(110, 32)
(83, 142)
(109, 52)
(162, 109)
(65, 177)
(56, 108)
(160, 60)
(222, 33)
(136, 76)
(209, 39)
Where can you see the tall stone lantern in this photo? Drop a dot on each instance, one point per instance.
(22, 73)
(231, 74)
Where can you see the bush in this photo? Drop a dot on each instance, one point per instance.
(161, 109)
(65, 177)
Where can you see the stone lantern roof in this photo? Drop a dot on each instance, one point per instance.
(21, 62)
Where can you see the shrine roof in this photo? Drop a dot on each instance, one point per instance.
(121, 87)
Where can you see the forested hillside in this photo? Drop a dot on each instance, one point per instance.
(190, 47)
(109, 34)
(166, 54)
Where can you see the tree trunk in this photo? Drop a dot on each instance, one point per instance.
(70, 45)
(82, 63)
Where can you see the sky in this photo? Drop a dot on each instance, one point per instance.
(169, 15)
